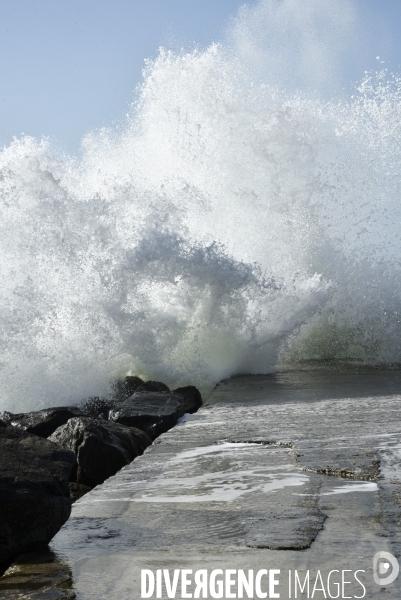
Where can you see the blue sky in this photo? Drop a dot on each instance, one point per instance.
(70, 66)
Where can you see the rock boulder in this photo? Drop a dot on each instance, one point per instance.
(152, 386)
(34, 492)
(153, 412)
(123, 389)
(102, 447)
(41, 422)
(192, 398)
(96, 408)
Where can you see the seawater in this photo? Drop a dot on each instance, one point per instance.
(245, 215)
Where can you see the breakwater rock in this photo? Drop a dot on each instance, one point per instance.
(102, 447)
(85, 445)
(34, 494)
(153, 412)
(41, 422)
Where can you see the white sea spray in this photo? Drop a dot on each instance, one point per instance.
(232, 222)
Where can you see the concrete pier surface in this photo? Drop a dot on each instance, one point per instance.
(298, 472)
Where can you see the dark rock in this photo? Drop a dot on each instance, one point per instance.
(152, 386)
(42, 422)
(77, 490)
(121, 390)
(102, 447)
(192, 398)
(153, 412)
(34, 493)
(124, 389)
(96, 408)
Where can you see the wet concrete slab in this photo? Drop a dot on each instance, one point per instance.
(295, 471)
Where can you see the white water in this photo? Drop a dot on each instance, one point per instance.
(236, 477)
(234, 218)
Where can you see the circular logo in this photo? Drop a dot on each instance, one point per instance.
(385, 568)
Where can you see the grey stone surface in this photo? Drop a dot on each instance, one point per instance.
(253, 481)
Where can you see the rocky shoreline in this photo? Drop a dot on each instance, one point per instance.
(52, 457)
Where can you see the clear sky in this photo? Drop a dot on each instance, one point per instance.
(70, 66)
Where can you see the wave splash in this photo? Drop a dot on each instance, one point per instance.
(230, 224)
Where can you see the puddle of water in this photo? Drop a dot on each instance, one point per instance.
(349, 487)
(236, 449)
(221, 486)
(232, 486)
(215, 473)
(353, 487)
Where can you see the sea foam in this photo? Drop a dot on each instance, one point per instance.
(240, 218)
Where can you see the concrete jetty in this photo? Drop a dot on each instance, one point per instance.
(297, 472)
